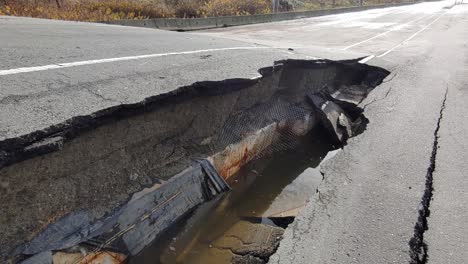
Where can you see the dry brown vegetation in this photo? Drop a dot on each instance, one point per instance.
(103, 10)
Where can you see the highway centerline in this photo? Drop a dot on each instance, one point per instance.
(138, 57)
(386, 32)
(127, 58)
(409, 38)
(366, 59)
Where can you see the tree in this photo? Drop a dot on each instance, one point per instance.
(59, 3)
(274, 6)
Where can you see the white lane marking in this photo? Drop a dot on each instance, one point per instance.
(90, 62)
(348, 17)
(386, 32)
(410, 38)
(366, 59)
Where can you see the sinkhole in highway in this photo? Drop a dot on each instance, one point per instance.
(245, 225)
(272, 171)
(212, 172)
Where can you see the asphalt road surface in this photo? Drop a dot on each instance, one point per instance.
(375, 191)
(367, 209)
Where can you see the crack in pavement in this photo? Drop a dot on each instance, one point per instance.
(386, 94)
(95, 93)
(418, 248)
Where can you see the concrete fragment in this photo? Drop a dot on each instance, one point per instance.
(249, 242)
(295, 195)
(241, 242)
(353, 94)
(332, 117)
(330, 155)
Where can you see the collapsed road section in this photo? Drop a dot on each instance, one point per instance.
(105, 186)
(246, 224)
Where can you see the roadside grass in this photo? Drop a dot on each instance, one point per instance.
(105, 10)
(86, 10)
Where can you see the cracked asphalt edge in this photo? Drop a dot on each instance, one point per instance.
(418, 247)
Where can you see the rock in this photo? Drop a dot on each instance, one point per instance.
(250, 242)
(244, 242)
(353, 94)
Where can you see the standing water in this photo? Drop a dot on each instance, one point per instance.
(206, 234)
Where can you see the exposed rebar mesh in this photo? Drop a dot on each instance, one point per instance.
(239, 125)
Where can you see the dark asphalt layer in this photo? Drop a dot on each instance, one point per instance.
(367, 206)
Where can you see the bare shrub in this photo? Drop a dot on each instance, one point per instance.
(103, 10)
(237, 7)
(188, 8)
(86, 10)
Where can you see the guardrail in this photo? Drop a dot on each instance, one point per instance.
(188, 24)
